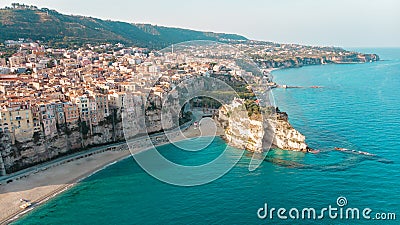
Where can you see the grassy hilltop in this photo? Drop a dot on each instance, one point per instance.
(48, 25)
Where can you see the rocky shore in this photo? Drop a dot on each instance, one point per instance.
(306, 61)
(285, 136)
(258, 133)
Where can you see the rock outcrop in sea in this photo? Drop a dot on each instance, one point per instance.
(285, 136)
(258, 133)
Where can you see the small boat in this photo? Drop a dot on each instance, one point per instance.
(313, 151)
(340, 149)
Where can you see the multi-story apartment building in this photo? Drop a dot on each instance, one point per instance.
(36, 117)
(16, 61)
(71, 113)
(59, 111)
(94, 119)
(83, 103)
(17, 120)
(102, 109)
(48, 119)
(116, 100)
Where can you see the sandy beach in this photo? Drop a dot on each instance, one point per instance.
(42, 186)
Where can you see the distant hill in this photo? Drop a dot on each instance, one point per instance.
(49, 25)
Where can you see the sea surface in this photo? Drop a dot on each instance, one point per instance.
(357, 108)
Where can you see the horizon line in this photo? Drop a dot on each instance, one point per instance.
(201, 30)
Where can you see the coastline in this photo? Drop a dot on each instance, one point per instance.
(41, 190)
(44, 185)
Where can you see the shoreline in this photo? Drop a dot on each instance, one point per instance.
(49, 191)
(40, 193)
(39, 188)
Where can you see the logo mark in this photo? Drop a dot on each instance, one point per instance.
(341, 201)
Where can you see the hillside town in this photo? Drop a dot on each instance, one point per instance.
(48, 93)
(42, 87)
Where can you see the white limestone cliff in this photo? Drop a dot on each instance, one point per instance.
(256, 134)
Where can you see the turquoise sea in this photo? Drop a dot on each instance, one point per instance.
(358, 108)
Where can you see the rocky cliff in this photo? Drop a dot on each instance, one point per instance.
(258, 133)
(285, 136)
(20, 153)
(241, 131)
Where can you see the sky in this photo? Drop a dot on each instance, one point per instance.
(344, 23)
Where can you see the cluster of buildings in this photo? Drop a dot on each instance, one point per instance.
(273, 51)
(42, 88)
